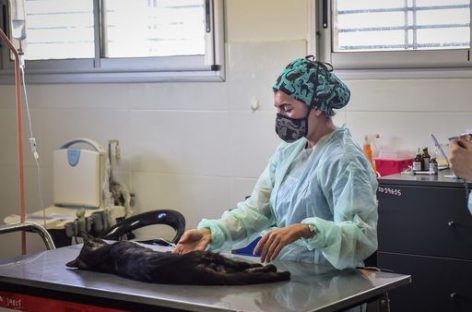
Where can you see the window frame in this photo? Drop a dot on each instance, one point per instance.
(384, 64)
(188, 68)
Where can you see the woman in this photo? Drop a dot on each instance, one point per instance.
(315, 201)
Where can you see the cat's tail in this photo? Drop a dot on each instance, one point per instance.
(257, 277)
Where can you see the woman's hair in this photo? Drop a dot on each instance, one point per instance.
(313, 83)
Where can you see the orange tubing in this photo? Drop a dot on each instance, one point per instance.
(19, 118)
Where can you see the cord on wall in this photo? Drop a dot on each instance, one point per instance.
(32, 138)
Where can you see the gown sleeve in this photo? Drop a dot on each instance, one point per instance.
(350, 189)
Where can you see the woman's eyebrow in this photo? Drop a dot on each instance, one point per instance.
(284, 104)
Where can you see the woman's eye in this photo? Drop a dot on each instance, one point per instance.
(286, 108)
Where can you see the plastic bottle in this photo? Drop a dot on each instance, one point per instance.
(18, 25)
(426, 159)
(418, 161)
(368, 150)
(433, 166)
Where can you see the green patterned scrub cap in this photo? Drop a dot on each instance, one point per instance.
(313, 83)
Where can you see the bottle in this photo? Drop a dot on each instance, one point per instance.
(367, 148)
(426, 159)
(418, 162)
(433, 166)
(17, 13)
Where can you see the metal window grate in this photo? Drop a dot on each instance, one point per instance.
(64, 29)
(414, 25)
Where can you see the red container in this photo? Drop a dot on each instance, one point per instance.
(391, 166)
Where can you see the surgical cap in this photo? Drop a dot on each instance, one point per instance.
(313, 83)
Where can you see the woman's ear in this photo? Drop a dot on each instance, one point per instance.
(317, 112)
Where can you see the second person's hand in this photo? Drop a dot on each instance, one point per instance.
(460, 158)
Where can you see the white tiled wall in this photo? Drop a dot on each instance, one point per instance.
(193, 147)
(198, 147)
(406, 112)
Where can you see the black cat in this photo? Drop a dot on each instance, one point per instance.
(130, 260)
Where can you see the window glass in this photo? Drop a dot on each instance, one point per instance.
(399, 25)
(143, 28)
(59, 29)
(71, 41)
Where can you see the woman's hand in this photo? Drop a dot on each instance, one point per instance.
(196, 239)
(272, 243)
(460, 158)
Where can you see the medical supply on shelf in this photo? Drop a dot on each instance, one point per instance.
(418, 162)
(392, 166)
(367, 148)
(18, 24)
(426, 158)
(82, 193)
(433, 166)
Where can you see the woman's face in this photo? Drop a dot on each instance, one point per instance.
(288, 106)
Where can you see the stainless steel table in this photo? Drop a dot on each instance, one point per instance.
(311, 288)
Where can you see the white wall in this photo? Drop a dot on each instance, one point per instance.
(198, 147)
(406, 112)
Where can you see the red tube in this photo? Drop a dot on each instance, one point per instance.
(19, 118)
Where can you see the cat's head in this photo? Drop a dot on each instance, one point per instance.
(91, 253)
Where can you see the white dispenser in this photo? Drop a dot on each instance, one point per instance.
(81, 199)
(79, 175)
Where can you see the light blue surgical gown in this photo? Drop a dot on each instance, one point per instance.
(331, 186)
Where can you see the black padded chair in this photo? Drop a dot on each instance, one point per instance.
(123, 229)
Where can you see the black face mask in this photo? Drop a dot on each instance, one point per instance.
(291, 129)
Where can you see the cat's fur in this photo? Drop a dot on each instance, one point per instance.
(130, 260)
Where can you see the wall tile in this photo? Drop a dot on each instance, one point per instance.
(186, 96)
(59, 126)
(196, 197)
(240, 188)
(255, 61)
(408, 95)
(180, 142)
(265, 20)
(92, 96)
(408, 130)
(253, 141)
(8, 137)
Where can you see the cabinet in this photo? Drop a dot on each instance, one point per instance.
(425, 230)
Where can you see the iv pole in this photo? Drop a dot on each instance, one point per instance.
(19, 116)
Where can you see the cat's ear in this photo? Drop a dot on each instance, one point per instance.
(91, 242)
(86, 236)
(77, 263)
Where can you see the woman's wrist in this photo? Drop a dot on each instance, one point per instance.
(309, 231)
(205, 231)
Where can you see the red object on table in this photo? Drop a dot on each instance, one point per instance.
(391, 166)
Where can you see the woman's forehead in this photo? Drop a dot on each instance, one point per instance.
(281, 98)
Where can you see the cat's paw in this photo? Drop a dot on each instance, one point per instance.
(266, 268)
(269, 268)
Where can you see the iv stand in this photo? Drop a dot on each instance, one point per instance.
(19, 116)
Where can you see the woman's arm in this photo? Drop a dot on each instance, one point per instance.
(350, 187)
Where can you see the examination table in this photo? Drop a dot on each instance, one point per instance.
(42, 282)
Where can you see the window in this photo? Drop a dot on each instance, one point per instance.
(120, 40)
(394, 34)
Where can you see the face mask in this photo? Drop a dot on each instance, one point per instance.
(291, 129)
